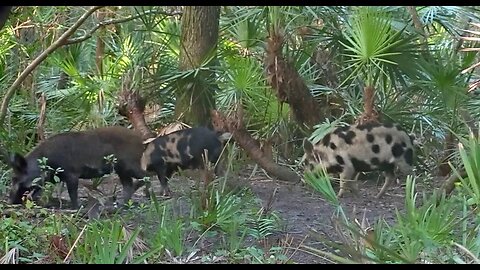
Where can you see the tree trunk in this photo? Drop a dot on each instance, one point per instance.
(63, 78)
(369, 113)
(28, 36)
(444, 169)
(234, 125)
(41, 118)
(132, 106)
(195, 97)
(99, 51)
(322, 60)
(417, 23)
(290, 87)
(449, 184)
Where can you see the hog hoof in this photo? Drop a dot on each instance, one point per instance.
(146, 193)
(167, 193)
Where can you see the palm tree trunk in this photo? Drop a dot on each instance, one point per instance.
(369, 113)
(132, 106)
(199, 37)
(234, 125)
(289, 86)
(99, 50)
(449, 146)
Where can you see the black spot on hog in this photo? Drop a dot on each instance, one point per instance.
(81, 155)
(187, 147)
(360, 165)
(387, 167)
(170, 154)
(347, 137)
(370, 138)
(388, 139)
(340, 130)
(335, 169)
(362, 148)
(409, 156)
(340, 160)
(326, 140)
(368, 126)
(163, 144)
(388, 124)
(397, 150)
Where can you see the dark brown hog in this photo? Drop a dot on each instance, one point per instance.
(81, 155)
(182, 149)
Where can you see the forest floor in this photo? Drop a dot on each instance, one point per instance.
(302, 210)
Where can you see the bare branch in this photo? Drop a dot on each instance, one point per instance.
(57, 44)
(416, 21)
(115, 21)
(418, 25)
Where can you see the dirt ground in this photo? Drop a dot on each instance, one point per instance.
(300, 208)
(304, 210)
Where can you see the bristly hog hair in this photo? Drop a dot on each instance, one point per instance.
(81, 154)
(362, 148)
(182, 149)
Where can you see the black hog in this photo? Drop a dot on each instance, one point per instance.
(362, 148)
(81, 155)
(181, 149)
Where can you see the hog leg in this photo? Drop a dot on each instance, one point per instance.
(389, 178)
(345, 179)
(342, 187)
(127, 186)
(215, 159)
(354, 186)
(146, 190)
(139, 174)
(162, 177)
(72, 187)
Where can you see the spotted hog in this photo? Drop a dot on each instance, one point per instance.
(362, 148)
(181, 149)
(81, 155)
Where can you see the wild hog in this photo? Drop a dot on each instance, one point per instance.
(81, 155)
(362, 148)
(181, 149)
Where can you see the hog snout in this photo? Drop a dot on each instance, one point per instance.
(18, 192)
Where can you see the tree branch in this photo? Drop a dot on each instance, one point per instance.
(115, 21)
(418, 24)
(57, 44)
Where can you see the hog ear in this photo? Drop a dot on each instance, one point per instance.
(225, 136)
(18, 162)
(307, 146)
